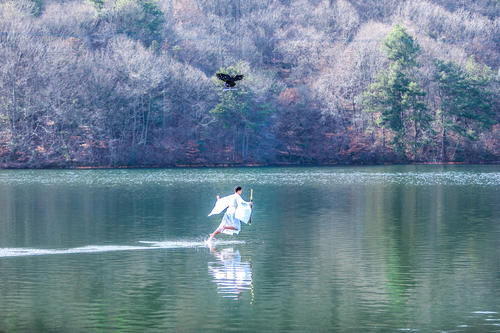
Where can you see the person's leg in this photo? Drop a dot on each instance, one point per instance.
(212, 235)
(219, 230)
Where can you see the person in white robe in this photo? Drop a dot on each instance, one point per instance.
(238, 210)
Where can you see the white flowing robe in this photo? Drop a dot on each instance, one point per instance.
(238, 210)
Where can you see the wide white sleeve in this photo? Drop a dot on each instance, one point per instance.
(221, 204)
(243, 211)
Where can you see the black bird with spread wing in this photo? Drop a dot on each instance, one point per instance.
(228, 79)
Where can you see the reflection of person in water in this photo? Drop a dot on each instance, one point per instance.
(231, 275)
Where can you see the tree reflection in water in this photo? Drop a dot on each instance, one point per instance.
(231, 275)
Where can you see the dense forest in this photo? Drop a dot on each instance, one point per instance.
(117, 83)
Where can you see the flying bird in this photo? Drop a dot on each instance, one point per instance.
(228, 79)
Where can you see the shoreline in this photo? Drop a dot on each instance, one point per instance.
(234, 165)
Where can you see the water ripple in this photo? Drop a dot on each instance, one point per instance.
(424, 175)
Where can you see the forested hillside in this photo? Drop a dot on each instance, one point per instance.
(132, 82)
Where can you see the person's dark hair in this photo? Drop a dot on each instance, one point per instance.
(237, 188)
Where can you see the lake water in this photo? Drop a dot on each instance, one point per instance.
(356, 249)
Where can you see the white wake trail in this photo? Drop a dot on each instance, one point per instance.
(151, 245)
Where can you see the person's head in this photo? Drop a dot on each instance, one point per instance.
(238, 189)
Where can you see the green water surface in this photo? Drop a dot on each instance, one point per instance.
(341, 249)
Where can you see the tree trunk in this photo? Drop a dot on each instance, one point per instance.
(235, 140)
(244, 144)
(415, 140)
(443, 141)
(383, 144)
(443, 146)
